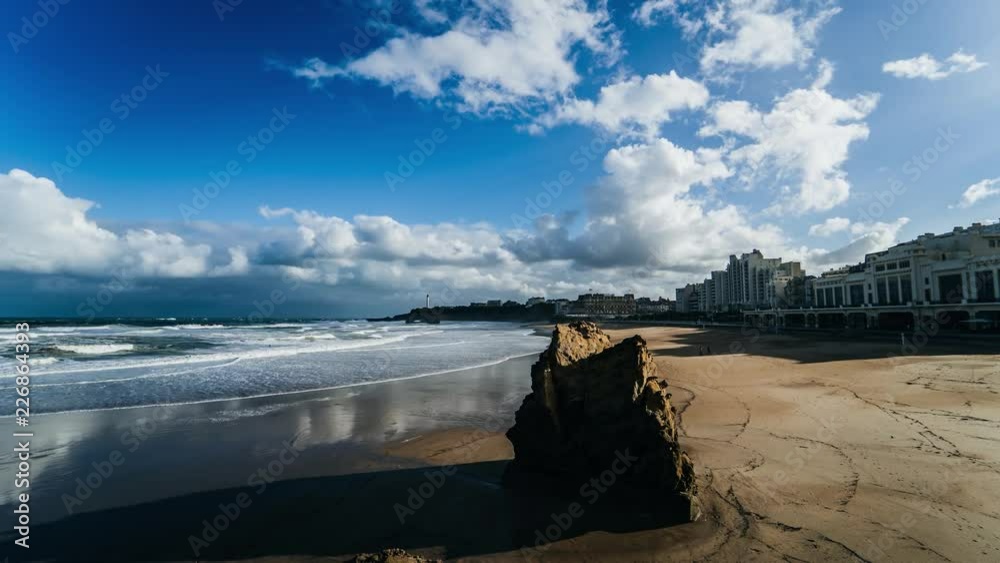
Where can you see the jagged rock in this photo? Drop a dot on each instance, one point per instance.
(392, 555)
(591, 403)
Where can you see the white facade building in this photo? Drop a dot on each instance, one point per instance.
(952, 279)
(953, 268)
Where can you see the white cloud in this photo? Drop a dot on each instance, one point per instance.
(865, 238)
(239, 264)
(645, 215)
(978, 191)
(802, 142)
(926, 66)
(650, 225)
(830, 226)
(632, 106)
(760, 34)
(382, 238)
(499, 54)
(650, 11)
(431, 13)
(51, 233)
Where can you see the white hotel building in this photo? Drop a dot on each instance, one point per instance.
(955, 273)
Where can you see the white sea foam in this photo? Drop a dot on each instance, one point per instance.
(95, 349)
(122, 366)
(258, 353)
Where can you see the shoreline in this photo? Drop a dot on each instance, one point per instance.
(341, 430)
(288, 393)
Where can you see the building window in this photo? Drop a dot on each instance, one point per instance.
(882, 298)
(890, 266)
(880, 268)
(838, 296)
(857, 294)
(893, 290)
(906, 289)
(904, 264)
(951, 288)
(985, 287)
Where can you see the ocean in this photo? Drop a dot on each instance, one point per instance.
(127, 364)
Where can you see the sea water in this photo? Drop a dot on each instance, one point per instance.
(132, 364)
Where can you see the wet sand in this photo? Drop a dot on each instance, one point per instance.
(806, 448)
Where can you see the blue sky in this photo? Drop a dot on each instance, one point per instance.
(722, 126)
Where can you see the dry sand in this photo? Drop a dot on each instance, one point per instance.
(811, 450)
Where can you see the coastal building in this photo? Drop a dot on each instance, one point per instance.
(689, 297)
(704, 289)
(956, 267)
(560, 306)
(605, 305)
(717, 300)
(754, 282)
(955, 274)
(749, 281)
(646, 306)
(494, 303)
(535, 301)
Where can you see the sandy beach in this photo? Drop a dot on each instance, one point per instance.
(807, 448)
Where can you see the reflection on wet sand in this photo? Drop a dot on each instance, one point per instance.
(175, 450)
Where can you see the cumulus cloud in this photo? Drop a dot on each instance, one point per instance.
(650, 224)
(865, 238)
(650, 11)
(745, 34)
(758, 34)
(977, 192)
(636, 105)
(382, 238)
(51, 233)
(926, 66)
(499, 54)
(802, 142)
(830, 226)
(648, 212)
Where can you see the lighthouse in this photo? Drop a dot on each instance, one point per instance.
(428, 301)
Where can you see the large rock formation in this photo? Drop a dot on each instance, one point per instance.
(592, 403)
